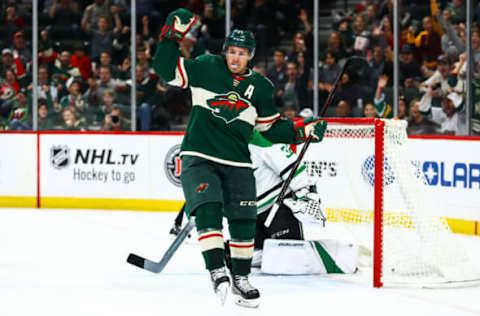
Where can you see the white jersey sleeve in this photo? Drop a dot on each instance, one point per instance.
(271, 166)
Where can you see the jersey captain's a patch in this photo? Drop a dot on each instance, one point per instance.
(228, 106)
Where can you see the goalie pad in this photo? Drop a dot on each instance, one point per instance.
(298, 257)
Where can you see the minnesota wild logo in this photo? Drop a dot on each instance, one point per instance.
(227, 106)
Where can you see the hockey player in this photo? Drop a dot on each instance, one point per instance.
(273, 253)
(284, 238)
(229, 101)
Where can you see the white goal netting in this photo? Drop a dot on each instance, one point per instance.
(411, 243)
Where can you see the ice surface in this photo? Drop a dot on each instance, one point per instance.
(72, 262)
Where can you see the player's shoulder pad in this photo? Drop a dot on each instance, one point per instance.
(262, 81)
(208, 58)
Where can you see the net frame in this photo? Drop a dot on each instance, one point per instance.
(378, 126)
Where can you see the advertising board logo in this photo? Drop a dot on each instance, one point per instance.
(60, 156)
(368, 171)
(173, 166)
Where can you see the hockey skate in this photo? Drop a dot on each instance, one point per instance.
(221, 283)
(244, 293)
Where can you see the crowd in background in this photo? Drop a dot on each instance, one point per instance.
(84, 71)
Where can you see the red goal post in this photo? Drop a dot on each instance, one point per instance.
(380, 192)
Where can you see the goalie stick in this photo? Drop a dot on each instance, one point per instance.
(157, 267)
(281, 195)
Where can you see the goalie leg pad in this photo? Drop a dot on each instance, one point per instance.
(298, 257)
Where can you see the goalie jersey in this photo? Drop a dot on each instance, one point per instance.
(226, 108)
(271, 166)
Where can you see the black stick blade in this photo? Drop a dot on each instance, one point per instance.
(136, 260)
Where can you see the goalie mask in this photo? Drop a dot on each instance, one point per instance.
(241, 38)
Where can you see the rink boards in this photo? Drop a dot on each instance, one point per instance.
(140, 171)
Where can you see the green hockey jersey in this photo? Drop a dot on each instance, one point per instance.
(226, 108)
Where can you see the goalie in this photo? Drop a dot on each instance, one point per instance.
(281, 248)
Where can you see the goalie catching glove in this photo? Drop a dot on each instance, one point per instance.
(306, 207)
(310, 125)
(177, 24)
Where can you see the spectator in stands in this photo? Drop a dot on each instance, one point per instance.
(343, 109)
(384, 32)
(361, 36)
(348, 89)
(408, 66)
(71, 121)
(146, 36)
(20, 49)
(10, 82)
(370, 17)
(94, 11)
(75, 98)
(213, 22)
(97, 115)
(146, 89)
(11, 62)
(45, 122)
(81, 61)
(19, 119)
(453, 34)
(277, 73)
(144, 59)
(105, 60)
(458, 11)
(336, 45)
(115, 121)
(328, 73)
(439, 77)
(402, 108)
(105, 81)
(45, 89)
(369, 110)
(307, 27)
(62, 71)
(451, 116)
(428, 42)
(101, 38)
(379, 63)
(383, 109)
(146, 8)
(299, 45)
(46, 52)
(303, 70)
(418, 123)
(291, 95)
(65, 17)
(12, 22)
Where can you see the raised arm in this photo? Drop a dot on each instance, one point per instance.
(167, 62)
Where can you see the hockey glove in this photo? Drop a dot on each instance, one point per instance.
(177, 24)
(307, 208)
(311, 125)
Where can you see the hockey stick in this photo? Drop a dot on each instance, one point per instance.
(157, 267)
(281, 195)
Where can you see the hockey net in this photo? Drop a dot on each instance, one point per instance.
(373, 190)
